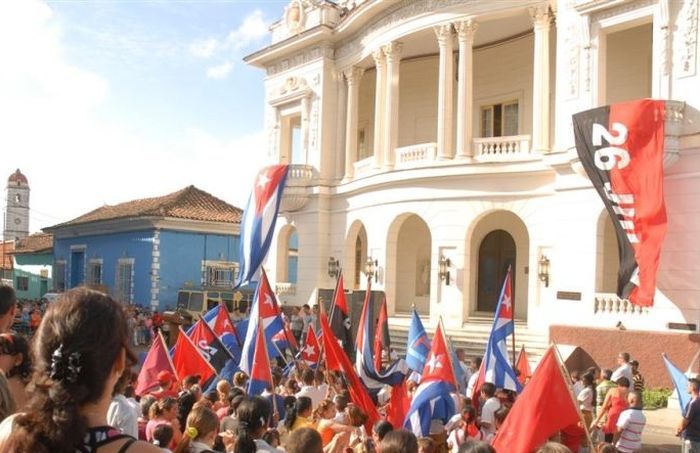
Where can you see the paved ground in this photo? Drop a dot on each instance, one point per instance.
(659, 432)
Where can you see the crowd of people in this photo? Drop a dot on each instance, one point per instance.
(75, 392)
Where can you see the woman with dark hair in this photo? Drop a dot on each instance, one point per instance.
(399, 441)
(615, 402)
(253, 418)
(476, 446)
(17, 366)
(299, 415)
(164, 411)
(80, 351)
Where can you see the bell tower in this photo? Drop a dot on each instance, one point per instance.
(17, 208)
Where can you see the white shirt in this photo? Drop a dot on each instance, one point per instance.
(585, 397)
(487, 414)
(472, 383)
(312, 392)
(624, 370)
(578, 386)
(631, 422)
(121, 415)
(453, 422)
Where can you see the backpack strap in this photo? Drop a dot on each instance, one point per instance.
(126, 445)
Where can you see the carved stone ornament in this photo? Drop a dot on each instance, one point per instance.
(292, 84)
(689, 44)
(294, 16)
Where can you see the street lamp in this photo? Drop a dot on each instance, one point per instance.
(333, 267)
(543, 270)
(371, 269)
(444, 269)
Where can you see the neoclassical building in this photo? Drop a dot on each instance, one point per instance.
(433, 138)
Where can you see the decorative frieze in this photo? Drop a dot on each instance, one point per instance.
(300, 59)
(687, 54)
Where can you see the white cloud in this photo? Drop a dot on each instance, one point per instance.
(204, 48)
(220, 71)
(251, 30)
(54, 127)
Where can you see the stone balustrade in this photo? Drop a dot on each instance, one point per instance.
(285, 289)
(610, 303)
(415, 155)
(502, 149)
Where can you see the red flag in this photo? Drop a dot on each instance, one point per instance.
(156, 361)
(188, 360)
(380, 343)
(476, 391)
(398, 405)
(336, 359)
(545, 407)
(311, 353)
(260, 373)
(523, 366)
(438, 366)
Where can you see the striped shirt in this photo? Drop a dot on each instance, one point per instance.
(631, 423)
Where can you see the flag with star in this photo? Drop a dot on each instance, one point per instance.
(259, 218)
(265, 307)
(497, 367)
(432, 399)
(311, 353)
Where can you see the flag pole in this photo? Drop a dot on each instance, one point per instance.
(335, 294)
(512, 311)
(567, 379)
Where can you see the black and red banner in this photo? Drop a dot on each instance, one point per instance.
(621, 147)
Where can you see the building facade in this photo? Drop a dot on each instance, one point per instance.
(433, 139)
(143, 251)
(33, 266)
(16, 222)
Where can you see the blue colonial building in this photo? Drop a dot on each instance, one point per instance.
(143, 251)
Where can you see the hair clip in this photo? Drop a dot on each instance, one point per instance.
(65, 368)
(192, 432)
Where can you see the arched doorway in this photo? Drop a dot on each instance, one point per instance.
(496, 253)
(287, 255)
(608, 256)
(355, 255)
(495, 240)
(411, 265)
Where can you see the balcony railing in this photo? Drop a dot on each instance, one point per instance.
(364, 166)
(502, 149)
(285, 289)
(415, 155)
(300, 179)
(610, 303)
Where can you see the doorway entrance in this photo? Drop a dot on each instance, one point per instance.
(496, 253)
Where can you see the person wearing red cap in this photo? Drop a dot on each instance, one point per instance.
(165, 386)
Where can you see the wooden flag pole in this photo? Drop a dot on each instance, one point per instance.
(567, 379)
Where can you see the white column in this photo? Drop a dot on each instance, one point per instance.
(353, 77)
(379, 105)
(305, 106)
(542, 20)
(392, 52)
(465, 88)
(445, 87)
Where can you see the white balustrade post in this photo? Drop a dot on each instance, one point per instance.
(353, 77)
(542, 20)
(392, 52)
(465, 105)
(379, 106)
(446, 82)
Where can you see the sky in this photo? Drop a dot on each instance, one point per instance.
(107, 101)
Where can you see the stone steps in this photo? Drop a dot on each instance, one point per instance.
(472, 337)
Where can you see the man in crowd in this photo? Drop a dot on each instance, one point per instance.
(474, 366)
(689, 428)
(308, 389)
(624, 368)
(637, 378)
(491, 405)
(605, 383)
(8, 305)
(631, 424)
(466, 370)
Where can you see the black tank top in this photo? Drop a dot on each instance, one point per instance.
(102, 435)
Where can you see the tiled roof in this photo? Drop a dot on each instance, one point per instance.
(16, 177)
(35, 243)
(189, 203)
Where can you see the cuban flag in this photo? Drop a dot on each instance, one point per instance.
(311, 353)
(259, 218)
(265, 308)
(497, 368)
(364, 364)
(432, 399)
(260, 372)
(217, 318)
(418, 345)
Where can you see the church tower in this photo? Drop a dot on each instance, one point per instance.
(17, 209)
